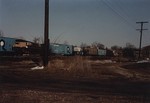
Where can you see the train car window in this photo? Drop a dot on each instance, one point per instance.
(2, 43)
(16, 43)
(68, 50)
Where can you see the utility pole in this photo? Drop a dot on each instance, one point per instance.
(141, 31)
(46, 33)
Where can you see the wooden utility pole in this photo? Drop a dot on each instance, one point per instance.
(141, 31)
(46, 32)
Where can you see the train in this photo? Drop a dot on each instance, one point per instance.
(14, 46)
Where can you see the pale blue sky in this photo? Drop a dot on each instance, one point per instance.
(111, 22)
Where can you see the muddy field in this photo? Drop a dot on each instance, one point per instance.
(74, 80)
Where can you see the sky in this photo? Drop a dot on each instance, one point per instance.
(110, 22)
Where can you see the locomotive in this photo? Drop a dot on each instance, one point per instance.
(14, 46)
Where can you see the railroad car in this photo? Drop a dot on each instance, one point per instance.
(13, 46)
(6, 45)
(90, 51)
(102, 52)
(61, 49)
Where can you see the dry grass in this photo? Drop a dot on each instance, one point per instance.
(83, 67)
(72, 66)
(68, 67)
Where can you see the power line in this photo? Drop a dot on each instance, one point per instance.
(141, 31)
(117, 13)
(123, 11)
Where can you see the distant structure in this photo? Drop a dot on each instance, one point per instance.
(146, 52)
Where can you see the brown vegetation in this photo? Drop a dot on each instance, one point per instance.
(74, 79)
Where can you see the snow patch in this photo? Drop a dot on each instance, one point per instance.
(143, 61)
(37, 68)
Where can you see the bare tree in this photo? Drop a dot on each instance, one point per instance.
(117, 50)
(129, 45)
(36, 40)
(83, 45)
(98, 45)
(129, 51)
(42, 39)
(115, 47)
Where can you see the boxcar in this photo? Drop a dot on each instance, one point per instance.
(90, 51)
(6, 45)
(61, 49)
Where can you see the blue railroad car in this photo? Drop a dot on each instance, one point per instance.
(6, 45)
(13, 46)
(61, 49)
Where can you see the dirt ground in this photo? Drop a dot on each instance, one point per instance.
(74, 80)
